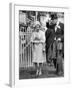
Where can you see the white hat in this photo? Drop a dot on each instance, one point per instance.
(37, 23)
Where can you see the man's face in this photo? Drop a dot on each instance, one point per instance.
(55, 21)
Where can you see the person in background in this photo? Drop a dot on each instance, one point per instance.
(58, 28)
(59, 69)
(59, 34)
(38, 39)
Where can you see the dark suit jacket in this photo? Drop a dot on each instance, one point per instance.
(49, 34)
(60, 31)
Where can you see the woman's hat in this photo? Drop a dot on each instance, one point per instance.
(37, 23)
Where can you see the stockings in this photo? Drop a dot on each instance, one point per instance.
(38, 68)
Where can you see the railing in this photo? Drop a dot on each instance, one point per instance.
(25, 50)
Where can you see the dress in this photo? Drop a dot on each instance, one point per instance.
(37, 48)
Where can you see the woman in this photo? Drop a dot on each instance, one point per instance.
(38, 40)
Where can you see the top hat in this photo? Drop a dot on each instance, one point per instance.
(53, 16)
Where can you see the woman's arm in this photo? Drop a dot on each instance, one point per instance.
(34, 40)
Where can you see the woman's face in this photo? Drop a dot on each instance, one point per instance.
(37, 27)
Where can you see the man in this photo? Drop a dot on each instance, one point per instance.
(59, 69)
(59, 33)
(49, 34)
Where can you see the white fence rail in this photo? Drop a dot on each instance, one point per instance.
(25, 50)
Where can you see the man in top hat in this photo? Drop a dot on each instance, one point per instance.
(49, 34)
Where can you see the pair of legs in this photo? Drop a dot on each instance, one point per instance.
(59, 62)
(54, 61)
(38, 68)
(59, 68)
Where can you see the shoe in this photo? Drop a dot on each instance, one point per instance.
(60, 73)
(37, 72)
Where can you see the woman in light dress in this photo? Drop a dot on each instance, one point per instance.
(38, 41)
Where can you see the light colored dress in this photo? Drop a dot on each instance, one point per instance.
(38, 38)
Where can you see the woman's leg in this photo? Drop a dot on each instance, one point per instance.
(40, 68)
(37, 68)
